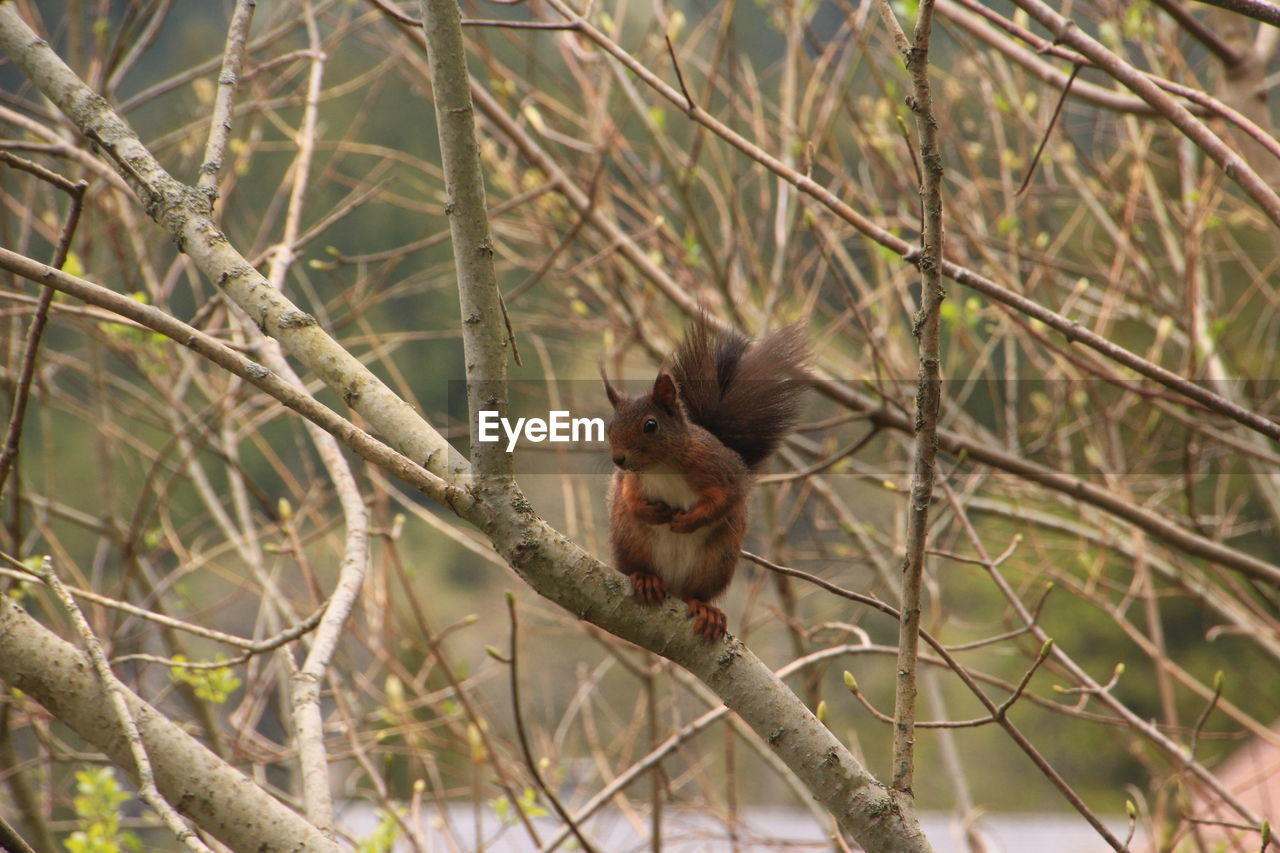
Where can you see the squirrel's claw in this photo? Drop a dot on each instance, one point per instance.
(708, 622)
(648, 588)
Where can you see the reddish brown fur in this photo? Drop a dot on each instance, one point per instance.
(680, 480)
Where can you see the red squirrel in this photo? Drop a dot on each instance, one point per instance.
(687, 453)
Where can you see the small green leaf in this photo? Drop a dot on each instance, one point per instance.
(529, 804)
(384, 835)
(213, 684)
(72, 265)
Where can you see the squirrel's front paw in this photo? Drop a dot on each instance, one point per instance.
(683, 522)
(654, 512)
(709, 622)
(648, 588)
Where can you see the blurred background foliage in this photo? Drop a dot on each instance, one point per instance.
(1123, 226)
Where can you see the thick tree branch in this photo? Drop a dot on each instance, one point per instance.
(221, 800)
(184, 213)
(483, 331)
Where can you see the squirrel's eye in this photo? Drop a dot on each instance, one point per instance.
(650, 426)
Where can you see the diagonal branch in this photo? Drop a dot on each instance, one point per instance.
(211, 792)
(359, 441)
(184, 213)
(125, 720)
(1234, 166)
(1259, 10)
(22, 393)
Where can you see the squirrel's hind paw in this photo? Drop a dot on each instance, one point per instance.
(648, 588)
(708, 622)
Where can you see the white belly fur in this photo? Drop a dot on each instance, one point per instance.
(675, 555)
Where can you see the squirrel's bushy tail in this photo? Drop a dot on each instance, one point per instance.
(746, 393)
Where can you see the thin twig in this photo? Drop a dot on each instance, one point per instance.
(927, 329)
(994, 717)
(10, 840)
(1132, 813)
(116, 691)
(965, 676)
(251, 647)
(1259, 10)
(1201, 32)
(228, 78)
(26, 373)
(513, 670)
(823, 464)
(1053, 120)
(1218, 680)
(516, 25)
(675, 63)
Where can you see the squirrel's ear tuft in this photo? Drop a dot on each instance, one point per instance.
(666, 394)
(612, 393)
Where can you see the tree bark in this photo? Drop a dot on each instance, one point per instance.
(221, 800)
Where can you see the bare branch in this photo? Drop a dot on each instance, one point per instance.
(1261, 10)
(211, 792)
(187, 219)
(484, 343)
(228, 78)
(926, 326)
(1232, 164)
(117, 693)
(22, 392)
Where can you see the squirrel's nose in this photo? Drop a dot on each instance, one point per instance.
(620, 459)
